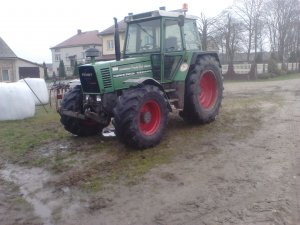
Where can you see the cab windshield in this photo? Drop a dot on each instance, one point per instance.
(143, 37)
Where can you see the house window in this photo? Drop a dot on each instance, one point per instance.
(57, 57)
(110, 44)
(5, 75)
(67, 57)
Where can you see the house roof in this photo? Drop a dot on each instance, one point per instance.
(81, 38)
(5, 51)
(111, 29)
(33, 63)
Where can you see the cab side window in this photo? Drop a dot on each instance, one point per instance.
(191, 36)
(173, 40)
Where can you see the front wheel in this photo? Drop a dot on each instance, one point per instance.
(140, 117)
(73, 101)
(204, 91)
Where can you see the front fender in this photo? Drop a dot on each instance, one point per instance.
(134, 82)
(143, 80)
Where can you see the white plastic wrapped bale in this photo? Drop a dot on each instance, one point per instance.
(16, 101)
(39, 87)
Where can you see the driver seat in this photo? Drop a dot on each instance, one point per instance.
(171, 44)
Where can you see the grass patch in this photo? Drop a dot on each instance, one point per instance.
(285, 77)
(127, 166)
(21, 136)
(136, 164)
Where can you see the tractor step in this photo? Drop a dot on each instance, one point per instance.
(173, 100)
(170, 90)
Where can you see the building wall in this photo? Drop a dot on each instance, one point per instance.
(8, 65)
(13, 65)
(110, 38)
(23, 63)
(65, 53)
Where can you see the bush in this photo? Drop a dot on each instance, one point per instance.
(264, 76)
(273, 68)
(61, 69)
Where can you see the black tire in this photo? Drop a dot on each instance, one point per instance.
(140, 117)
(73, 101)
(204, 91)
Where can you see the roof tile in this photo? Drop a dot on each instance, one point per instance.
(81, 38)
(111, 29)
(5, 51)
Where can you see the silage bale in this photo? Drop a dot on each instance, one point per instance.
(16, 101)
(39, 87)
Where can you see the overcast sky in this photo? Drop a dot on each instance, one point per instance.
(31, 27)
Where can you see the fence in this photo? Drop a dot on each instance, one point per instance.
(245, 71)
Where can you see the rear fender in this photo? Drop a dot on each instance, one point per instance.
(196, 58)
(198, 55)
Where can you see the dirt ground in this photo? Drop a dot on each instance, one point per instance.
(244, 168)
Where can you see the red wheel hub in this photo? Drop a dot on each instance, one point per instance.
(208, 90)
(149, 117)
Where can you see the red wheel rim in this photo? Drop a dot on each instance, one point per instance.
(149, 117)
(208, 90)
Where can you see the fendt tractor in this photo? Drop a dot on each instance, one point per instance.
(162, 69)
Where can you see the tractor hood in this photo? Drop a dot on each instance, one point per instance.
(106, 77)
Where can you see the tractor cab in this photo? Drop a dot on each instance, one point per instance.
(165, 36)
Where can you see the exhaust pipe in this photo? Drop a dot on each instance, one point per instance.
(117, 41)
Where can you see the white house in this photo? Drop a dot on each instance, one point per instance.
(73, 50)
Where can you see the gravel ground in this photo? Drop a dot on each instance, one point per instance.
(245, 170)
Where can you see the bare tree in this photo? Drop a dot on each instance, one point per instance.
(281, 17)
(293, 41)
(229, 35)
(205, 26)
(249, 12)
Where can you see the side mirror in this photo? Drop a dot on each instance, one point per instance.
(181, 20)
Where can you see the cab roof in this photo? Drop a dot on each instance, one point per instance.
(157, 13)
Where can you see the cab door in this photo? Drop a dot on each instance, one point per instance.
(166, 63)
(173, 48)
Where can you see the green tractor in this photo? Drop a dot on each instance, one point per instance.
(162, 69)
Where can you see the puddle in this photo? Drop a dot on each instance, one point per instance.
(53, 148)
(31, 183)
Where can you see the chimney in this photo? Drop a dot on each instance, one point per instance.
(78, 31)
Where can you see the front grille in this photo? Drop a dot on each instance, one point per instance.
(88, 79)
(106, 78)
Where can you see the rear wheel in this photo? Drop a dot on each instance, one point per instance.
(140, 117)
(73, 101)
(204, 92)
